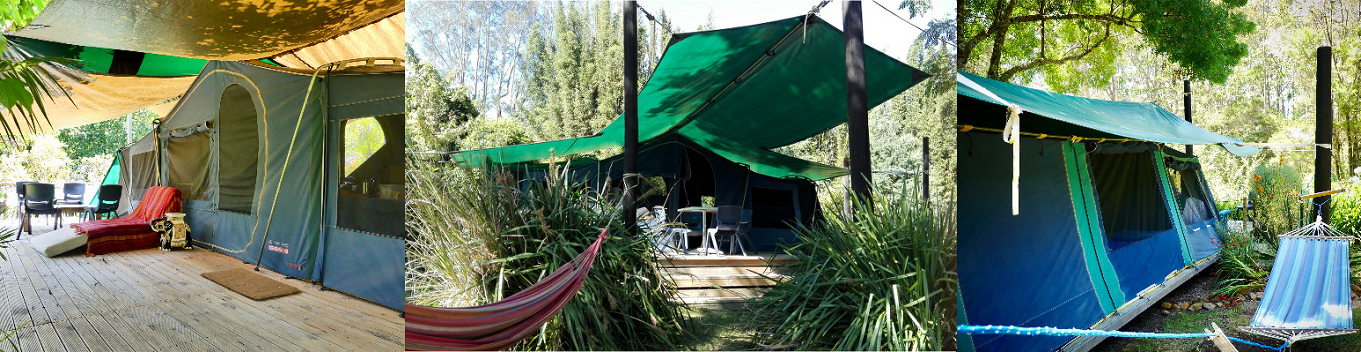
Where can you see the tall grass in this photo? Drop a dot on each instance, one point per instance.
(480, 236)
(884, 280)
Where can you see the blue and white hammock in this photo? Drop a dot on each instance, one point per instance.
(1308, 294)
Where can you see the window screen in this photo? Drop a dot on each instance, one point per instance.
(238, 150)
(187, 160)
(1192, 199)
(1132, 207)
(373, 176)
(773, 208)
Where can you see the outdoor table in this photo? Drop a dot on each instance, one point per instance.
(704, 226)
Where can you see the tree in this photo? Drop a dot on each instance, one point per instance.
(23, 83)
(1010, 39)
(103, 138)
(435, 112)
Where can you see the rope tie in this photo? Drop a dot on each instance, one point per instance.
(1103, 140)
(1012, 134)
(966, 128)
(1076, 139)
(1042, 136)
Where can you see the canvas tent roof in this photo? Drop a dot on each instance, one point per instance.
(740, 92)
(217, 30)
(169, 43)
(1145, 121)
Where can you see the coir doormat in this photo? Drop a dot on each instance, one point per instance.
(250, 284)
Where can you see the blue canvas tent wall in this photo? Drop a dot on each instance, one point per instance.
(258, 152)
(690, 171)
(1104, 228)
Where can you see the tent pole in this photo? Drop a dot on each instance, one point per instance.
(1323, 132)
(1186, 96)
(630, 116)
(857, 110)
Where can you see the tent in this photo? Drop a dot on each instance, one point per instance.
(730, 96)
(145, 54)
(304, 175)
(1110, 218)
(688, 171)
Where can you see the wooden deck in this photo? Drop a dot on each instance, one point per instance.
(723, 281)
(149, 300)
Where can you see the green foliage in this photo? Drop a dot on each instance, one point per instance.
(1244, 263)
(572, 85)
(103, 138)
(884, 280)
(1274, 191)
(1346, 210)
(463, 220)
(484, 133)
(436, 112)
(1082, 35)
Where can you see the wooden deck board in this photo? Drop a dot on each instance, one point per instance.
(152, 300)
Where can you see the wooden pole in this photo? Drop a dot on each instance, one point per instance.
(926, 168)
(1323, 132)
(1186, 87)
(630, 116)
(857, 109)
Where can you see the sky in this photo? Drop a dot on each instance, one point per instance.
(883, 31)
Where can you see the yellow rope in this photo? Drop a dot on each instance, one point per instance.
(967, 128)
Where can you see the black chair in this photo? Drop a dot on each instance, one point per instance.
(72, 193)
(19, 190)
(728, 222)
(105, 202)
(40, 199)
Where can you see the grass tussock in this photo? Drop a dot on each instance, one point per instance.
(883, 280)
(479, 236)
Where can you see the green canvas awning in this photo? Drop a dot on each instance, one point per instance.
(740, 92)
(1144, 121)
(110, 61)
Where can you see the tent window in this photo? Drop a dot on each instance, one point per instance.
(1193, 199)
(140, 174)
(238, 150)
(1131, 201)
(773, 208)
(373, 176)
(187, 159)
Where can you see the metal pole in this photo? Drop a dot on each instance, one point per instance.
(1186, 87)
(1323, 131)
(857, 110)
(630, 115)
(926, 168)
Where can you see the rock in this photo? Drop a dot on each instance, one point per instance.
(1167, 305)
(1196, 307)
(1183, 305)
(1165, 312)
(1356, 288)
(1209, 306)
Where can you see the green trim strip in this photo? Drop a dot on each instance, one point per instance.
(1190, 159)
(1088, 220)
(1171, 203)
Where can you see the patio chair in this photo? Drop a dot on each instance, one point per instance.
(105, 202)
(729, 224)
(39, 199)
(72, 193)
(134, 231)
(19, 193)
(690, 223)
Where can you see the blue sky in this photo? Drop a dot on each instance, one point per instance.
(882, 30)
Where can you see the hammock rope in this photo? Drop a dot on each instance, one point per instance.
(501, 324)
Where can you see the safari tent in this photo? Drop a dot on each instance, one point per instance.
(1109, 219)
(716, 106)
(259, 154)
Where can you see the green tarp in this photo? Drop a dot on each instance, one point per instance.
(1145, 121)
(102, 60)
(740, 92)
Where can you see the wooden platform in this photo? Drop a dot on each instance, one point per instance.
(723, 281)
(149, 300)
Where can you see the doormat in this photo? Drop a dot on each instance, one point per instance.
(249, 284)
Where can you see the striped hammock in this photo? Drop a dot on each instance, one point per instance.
(499, 325)
(1308, 294)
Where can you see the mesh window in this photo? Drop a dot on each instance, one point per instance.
(187, 160)
(139, 174)
(238, 150)
(1192, 199)
(1132, 207)
(373, 176)
(773, 208)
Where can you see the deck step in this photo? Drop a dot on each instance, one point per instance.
(732, 281)
(731, 293)
(720, 271)
(690, 261)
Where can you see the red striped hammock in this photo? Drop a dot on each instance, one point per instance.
(499, 325)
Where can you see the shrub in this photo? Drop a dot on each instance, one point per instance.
(1274, 191)
(1244, 263)
(1346, 209)
(487, 237)
(884, 280)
